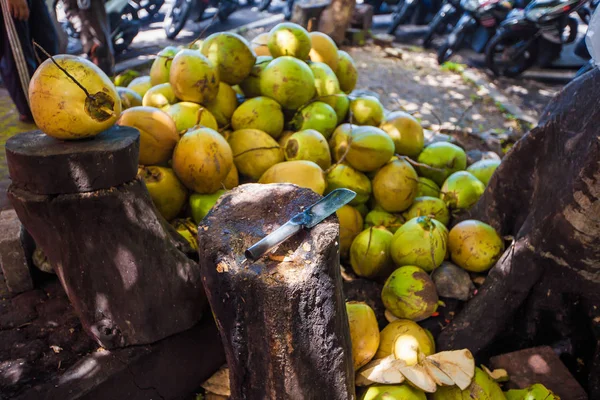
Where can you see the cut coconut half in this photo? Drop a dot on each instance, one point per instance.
(459, 365)
(384, 370)
(439, 376)
(418, 376)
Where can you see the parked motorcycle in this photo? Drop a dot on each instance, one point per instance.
(146, 9)
(476, 26)
(122, 17)
(447, 16)
(534, 35)
(287, 9)
(412, 11)
(181, 10)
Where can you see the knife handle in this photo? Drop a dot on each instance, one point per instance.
(280, 234)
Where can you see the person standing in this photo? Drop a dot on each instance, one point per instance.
(90, 19)
(21, 23)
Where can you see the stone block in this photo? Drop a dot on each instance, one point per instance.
(13, 258)
(539, 365)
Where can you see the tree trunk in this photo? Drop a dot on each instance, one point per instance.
(124, 273)
(545, 194)
(282, 319)
(336, 18)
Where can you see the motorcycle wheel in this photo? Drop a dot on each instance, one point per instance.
(449, 48)
(226, 8)
(151, 7)
(264, 5)
(506, 65)
(399, 16)
(176, 17)
(433, 29)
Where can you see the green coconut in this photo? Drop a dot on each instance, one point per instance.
(462, 190)
(288, 81)
(365, 148)
(484, 169)
(161, 67)
(395, 186)
(393, 392)
(406, 132)
(259, 113)
(346, 72)
(362, 209)
(232, 55)
(410, 293)
(289, 39)
(224, 105)
(201, 204)
(421, 242)
(140, 85)
(318, 116)
(251, 85)
(129, 98)
(187, 115)
(308, 145)
(159, 96)
(366, 110)
(432, 207)
(427, 187)
(443, 159)
(344, 176)
(370, 253)
(481, 388)
(341, 105)
(254, 152)
(533, 392)
(328, 90)
(383, 218)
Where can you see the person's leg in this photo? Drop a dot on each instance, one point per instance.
(8, 65)
(95, 35)
(41, 27)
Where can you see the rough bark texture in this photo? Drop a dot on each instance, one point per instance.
(44, 165)
(123, 272)
(283, 321)
(335, 20)
(546, 194)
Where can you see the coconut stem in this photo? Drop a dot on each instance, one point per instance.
(418, 164)
(212, 21)
(63, 70)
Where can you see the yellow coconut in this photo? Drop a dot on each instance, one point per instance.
(289, 39)
(344, 176)
(326, 82)
(370, 253)
(140, 85)
(346, 72)
(285, 135)
(202, 160)
(260, 45)
(366, 110)
(406, 340)
(308, 145)
(351, 224)
(395, 186)
(474, 245)
(188, 229)
(187, 115)
(259, 113)
(158, 133)
(232, 55)
(406, 132)
(410, 293)
(193, 77)
(62, 109)
(323, 49)
(159, 96)
(421, 242)
(288, 81)
(161, 67)
(129, 98)
(366, 148)
(302, 173)
(364, 332)
(233, 179)
(224, 105)
(251, 85)
(254, 152)
(167, 192)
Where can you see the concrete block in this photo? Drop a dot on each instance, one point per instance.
(13, 258)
